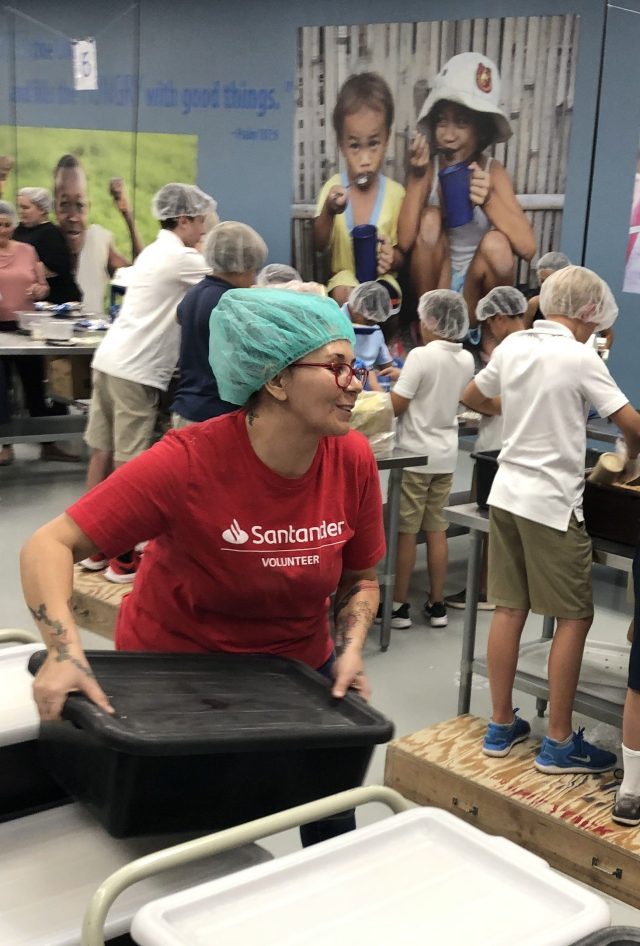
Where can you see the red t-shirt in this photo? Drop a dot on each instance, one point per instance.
(242, 559)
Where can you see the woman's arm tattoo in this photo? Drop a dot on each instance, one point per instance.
(59, 639)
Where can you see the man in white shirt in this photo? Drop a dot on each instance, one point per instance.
(136, 360)
(539, 552)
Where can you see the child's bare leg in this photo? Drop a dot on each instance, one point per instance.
(437, 561)
(565, 658)
(341, 294)
(100, 467)
(491, 266)
(430, 258)
(631, 721)
(405, 563)
(502, 659)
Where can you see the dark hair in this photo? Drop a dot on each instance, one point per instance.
(169, 224)
(68, 162)
(363, 90)
(483, 122)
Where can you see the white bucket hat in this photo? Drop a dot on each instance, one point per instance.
(472, 80)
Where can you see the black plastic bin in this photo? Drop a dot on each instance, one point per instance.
(204, 742)
(612, 513)
(486, 469)
(612, 936)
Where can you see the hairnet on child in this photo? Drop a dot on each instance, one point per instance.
(178, 200)
(277, 274)
(39, 196)
(255, 333)
(8, 210)
(444, 312)
(553, 260)
(233, 247)
(502, 300)
(371, 300)
(579, 293)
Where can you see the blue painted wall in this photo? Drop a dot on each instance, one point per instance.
(182, 66)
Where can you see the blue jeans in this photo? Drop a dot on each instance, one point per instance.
(317, 831)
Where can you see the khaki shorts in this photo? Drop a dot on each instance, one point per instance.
(423, 496)
(122, 416)
(533, 567)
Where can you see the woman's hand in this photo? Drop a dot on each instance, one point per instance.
(390, 372)
(36, 291)
(348, 674)
(57, 678)
(385, 255)
(419, 154)
(480, 185)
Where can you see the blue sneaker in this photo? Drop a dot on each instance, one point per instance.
(500, 738)
(577, 755)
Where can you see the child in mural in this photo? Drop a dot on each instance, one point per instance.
(461, 118)
(93, 254)
(362, 119)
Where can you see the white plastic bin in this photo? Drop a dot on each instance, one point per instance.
(422, 877)
(25, 786)
(52, 862)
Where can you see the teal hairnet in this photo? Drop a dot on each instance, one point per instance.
(255, 333)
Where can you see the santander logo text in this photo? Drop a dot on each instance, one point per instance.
(285, 535)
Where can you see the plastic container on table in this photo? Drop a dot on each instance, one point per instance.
(206, 741)
(25, 786)
(612, 512)
(53, 861)
(486, 469)
(422, 876)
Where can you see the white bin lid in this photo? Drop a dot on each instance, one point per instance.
(18, 714)
(422, 877)
(52, 862)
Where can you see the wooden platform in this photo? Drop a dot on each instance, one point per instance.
(565, 819)
(96, 601)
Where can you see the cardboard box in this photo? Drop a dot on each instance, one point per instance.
(566, 819)
(70, 377)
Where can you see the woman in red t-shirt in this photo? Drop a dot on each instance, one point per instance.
(255, 517)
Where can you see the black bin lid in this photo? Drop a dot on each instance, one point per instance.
(192, 704)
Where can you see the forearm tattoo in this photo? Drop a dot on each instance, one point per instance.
(358, 614)
(59, 640)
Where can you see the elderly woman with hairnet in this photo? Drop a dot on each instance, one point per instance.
(284, 477)
(35, 228)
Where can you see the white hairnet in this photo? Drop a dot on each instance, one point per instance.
(502, 300)
(8, 210)
(444, 312)
(277, 274)
(553, 261)
(39, 196)
(579, 293)
(178, 200)
(371, 300)
(233, 247)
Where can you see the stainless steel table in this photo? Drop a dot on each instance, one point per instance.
(43, 429)
(395, 464)
(598, 699)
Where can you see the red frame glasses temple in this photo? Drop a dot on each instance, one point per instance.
(360, 374)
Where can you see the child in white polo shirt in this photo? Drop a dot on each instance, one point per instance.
(544, 380)
(426, 397)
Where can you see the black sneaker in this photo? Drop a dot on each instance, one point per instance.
(626, 809)
(436, 611)
(399, 618)
(459, 601)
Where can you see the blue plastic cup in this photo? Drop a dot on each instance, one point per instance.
(454, 183)
(365, 251)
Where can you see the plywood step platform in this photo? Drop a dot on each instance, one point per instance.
(566, 819)
(96, 601)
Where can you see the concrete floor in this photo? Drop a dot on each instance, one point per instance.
(414, 683)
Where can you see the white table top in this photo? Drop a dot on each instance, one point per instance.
(13, 343)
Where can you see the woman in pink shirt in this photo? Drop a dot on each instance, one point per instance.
(22, 282)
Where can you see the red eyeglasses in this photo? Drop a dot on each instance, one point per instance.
(343, 373)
